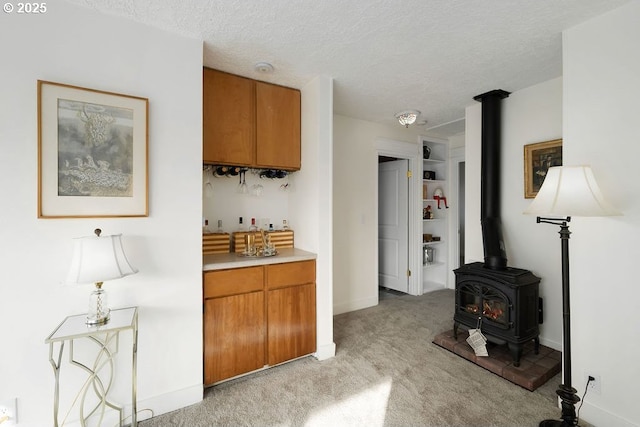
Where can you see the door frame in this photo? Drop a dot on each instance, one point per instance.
(456, 156)
(413, 153)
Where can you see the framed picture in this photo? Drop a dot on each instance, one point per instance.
(538, 158)
(429, 175)
(92, 153)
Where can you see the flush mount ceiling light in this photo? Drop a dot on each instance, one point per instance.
(263, 67)
(407, 117)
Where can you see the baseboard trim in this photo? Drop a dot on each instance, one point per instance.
(348, 306)
(597, 416)
(551, 344)
(326, 351)
(174, 400)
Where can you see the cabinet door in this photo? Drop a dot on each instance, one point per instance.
(234, 336)
(277, 127)
(228, 107)
(291, 322)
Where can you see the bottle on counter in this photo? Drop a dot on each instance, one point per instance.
(240, 225)
(253, 226)
(220, 229)
(205, 227)
(285, 225)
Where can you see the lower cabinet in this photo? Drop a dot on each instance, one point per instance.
(257, 316)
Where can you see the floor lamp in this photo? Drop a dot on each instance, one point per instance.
(567, 191)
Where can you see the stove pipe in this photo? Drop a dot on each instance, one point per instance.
(495, 256)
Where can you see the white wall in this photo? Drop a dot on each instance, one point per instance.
(473, 251)
(355, 228)
(311, 201)
(601, 97)
(77, 46)
(528, 116)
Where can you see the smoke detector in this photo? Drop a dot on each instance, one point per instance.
(263, 67)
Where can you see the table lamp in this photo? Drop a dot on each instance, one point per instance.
(568, 191)
(97, 259)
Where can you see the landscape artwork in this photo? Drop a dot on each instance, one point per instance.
(92, 153)
(95, 150)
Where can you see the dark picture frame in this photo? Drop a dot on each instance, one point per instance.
(92, 153)
(538, 158)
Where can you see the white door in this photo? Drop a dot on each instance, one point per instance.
(393, 225)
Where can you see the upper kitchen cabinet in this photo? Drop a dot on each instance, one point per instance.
(250, 123)
(228, 107)
(277, 127)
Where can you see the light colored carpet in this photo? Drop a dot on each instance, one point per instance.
(386, 372)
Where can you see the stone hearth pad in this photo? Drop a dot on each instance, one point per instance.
(534, 369)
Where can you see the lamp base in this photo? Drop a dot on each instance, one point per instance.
(555, 423)
(569, 399)
(98, 319)
(99, 312)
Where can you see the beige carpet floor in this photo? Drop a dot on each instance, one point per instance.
(386, 372)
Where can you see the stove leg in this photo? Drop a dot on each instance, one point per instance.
(455, 330)
(516, 353)
(536, 345)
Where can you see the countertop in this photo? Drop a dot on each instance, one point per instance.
(225, 261)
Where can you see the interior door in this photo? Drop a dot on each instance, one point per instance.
(393, 225)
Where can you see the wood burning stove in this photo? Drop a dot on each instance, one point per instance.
(504, 302)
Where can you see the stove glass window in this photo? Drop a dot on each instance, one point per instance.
(477, 299)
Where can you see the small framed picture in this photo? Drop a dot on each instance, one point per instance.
(92, 153)
(429, 175)
(538, 158)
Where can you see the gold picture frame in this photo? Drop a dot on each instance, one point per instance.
(538, 158)
(92, 153)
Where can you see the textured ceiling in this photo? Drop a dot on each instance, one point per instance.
(384, 56)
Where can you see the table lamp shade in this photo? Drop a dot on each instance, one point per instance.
(98, 259)
(570, 191)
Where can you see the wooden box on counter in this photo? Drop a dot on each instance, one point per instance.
(216, 243)
(279, 239)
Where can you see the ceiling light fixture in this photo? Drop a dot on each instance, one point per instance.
(264, 67)
(407, 117)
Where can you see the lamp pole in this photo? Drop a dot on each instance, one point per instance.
(565, 391)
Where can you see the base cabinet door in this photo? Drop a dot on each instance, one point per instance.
(292, 322)
(257, 316)
(234, 336)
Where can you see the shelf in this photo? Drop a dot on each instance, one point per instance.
(432, 265)
(435, 275)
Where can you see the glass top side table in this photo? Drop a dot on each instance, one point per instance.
(100, 373)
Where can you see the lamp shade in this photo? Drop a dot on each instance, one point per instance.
(570, 191)
(98, 259)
